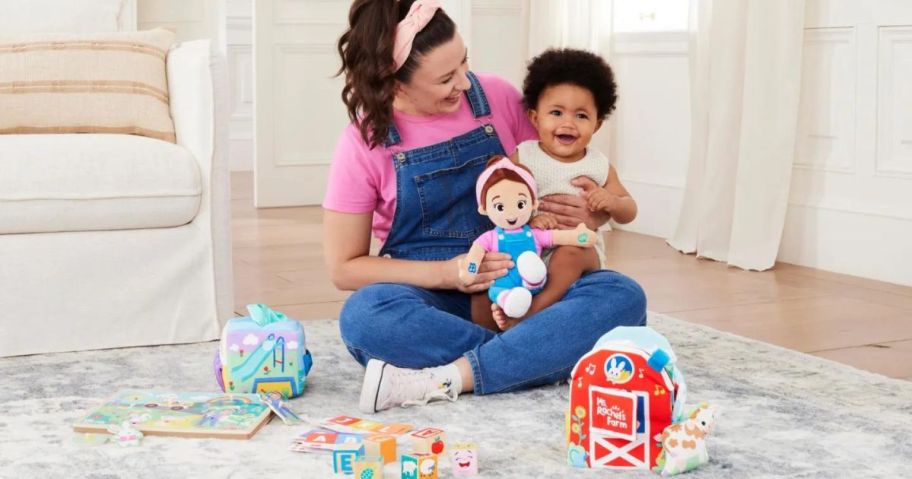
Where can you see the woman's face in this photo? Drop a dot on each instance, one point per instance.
(437, 85)
(508, 204)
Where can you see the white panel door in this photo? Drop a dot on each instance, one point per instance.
(299, 113)
(850, 208)
(239, 53)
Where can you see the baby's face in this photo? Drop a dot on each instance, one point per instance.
(566, 119)
(509, 204)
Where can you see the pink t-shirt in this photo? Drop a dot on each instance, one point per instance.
(362, 180)
(542, 238)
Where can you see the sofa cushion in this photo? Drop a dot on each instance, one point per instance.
(72, 182)
(86, 83)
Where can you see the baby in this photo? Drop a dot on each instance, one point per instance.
(568, 93)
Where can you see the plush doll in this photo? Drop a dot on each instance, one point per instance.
(684, 443)
(507, 194)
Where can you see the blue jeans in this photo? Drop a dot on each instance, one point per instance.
(416, 328)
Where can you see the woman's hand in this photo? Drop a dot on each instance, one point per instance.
(571, 210)
(493, 266)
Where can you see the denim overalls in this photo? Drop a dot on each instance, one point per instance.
(436, 216)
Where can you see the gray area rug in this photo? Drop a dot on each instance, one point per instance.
(783, 414)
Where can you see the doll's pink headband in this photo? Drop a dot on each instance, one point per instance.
(504, 164)
(420, 13)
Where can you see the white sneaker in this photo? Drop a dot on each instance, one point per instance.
(387, 386)
(515, 302)
(532, 270)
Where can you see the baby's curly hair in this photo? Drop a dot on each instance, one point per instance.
(576, 67)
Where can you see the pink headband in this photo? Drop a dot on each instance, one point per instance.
(504, 164)
(420, 13)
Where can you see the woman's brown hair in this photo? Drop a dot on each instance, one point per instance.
(366, 49)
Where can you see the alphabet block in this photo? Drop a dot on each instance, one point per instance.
(381, 445)
(464, 459)
(368, 467)
(428, 441)
(409, 466)
(343, 460)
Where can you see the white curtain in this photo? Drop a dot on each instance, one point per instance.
(745, 84)
(584, 24)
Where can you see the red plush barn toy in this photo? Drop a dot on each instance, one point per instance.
(623, 394)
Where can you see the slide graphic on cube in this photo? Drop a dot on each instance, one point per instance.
(382, 445)
(428, 441)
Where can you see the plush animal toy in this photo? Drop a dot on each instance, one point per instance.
(684, 443)
(507, 194)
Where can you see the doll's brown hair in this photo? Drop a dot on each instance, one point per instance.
(503, 174)
(366, 49)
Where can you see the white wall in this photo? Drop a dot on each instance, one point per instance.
(190, 19)
(228, 23)
(850, 208)
(298, 113)
(648, 135)
(497, 37)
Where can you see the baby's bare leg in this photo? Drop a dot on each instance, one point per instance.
(567, 264)
(481, 311)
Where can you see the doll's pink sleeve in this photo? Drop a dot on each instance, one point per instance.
(488, 241)
(543, 238)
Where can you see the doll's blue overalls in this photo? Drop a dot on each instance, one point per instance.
(513, 244)
(436, 217)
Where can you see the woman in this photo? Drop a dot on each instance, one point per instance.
(423, 127)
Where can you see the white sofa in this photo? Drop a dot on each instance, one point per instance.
(119, 240)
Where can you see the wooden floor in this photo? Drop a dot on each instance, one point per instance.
(868, 324)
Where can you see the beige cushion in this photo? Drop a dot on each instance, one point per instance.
(99, 83)
(55, 183)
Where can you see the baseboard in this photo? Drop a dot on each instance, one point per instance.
(869, 246)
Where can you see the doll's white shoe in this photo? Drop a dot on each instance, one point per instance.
(532, 270)
(515, 302)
